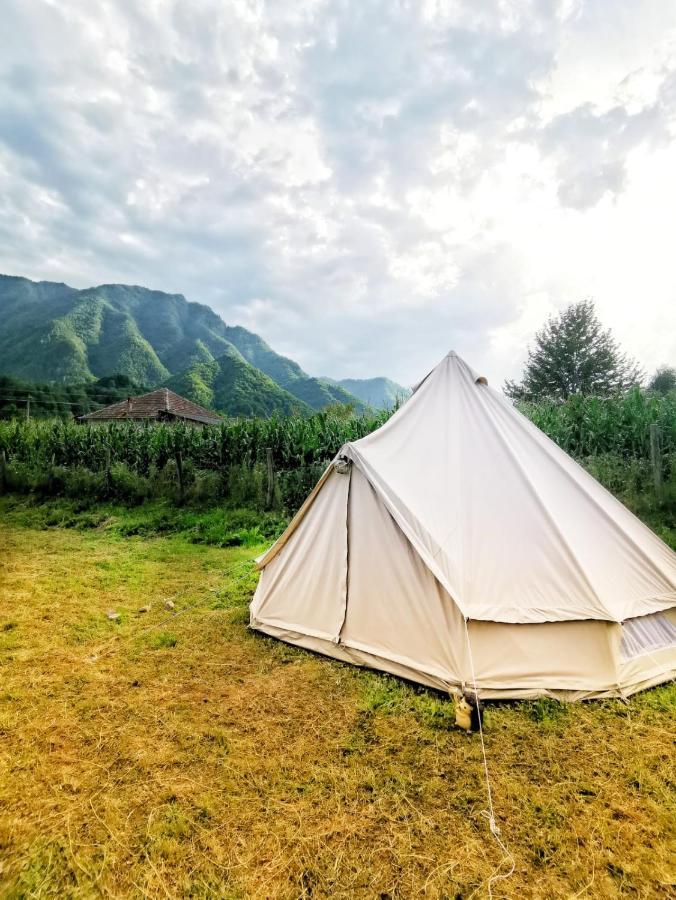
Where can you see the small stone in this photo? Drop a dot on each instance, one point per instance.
(145, 609)
(113, 616)
(169, 604)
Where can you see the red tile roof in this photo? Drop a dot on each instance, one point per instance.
(161, 404)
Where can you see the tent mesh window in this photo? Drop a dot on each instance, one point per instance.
(645, 634)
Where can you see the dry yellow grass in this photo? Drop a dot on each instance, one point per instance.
(196, 759)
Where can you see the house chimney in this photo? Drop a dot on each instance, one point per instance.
(128, 407)
(166, 399)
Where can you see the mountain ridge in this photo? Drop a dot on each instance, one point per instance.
(231, 382)
(379, 392)
(51, 331)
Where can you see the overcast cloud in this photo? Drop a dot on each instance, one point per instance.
(365, 184)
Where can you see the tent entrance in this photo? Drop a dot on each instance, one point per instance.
(395, 607)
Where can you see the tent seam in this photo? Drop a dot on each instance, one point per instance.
(347, 557)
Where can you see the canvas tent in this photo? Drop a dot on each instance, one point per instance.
(458, 543)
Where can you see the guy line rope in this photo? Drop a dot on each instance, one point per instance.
(489, 813)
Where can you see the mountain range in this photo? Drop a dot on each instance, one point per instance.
(381, 393)
(52, 332)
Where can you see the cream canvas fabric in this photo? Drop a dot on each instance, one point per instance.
(460, 525)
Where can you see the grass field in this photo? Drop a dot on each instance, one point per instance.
(174, 753)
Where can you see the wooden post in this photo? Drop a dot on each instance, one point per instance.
(179, 472)
(656, 458)
(28, 408)
(271, 480)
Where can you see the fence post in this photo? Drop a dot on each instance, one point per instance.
(656, 458)
(271, 480)
(107, 471)
(179, 472)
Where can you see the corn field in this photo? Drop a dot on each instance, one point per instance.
(294, 441)
(583, 426)
(134, 462)
(590, 426)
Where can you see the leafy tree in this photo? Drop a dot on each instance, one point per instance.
(664, 380)
(63, 400)
(574, 354)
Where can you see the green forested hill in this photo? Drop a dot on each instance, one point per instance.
(316, 392)
(52, 332)
(49, 400)
(229, 383)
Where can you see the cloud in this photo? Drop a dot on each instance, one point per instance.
(592, 147)
(366, 184)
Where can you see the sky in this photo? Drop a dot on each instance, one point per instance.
(365, 184)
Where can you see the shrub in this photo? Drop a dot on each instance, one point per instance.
(207, 487)
(127, 486)
(247, 485)
(79, 482)
(295, 484)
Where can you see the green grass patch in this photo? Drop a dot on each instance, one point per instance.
(163, 640)
(185, 755)
(216, 527)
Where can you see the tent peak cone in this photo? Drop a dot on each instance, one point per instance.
(459, 507)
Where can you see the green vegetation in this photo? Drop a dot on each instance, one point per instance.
(227, 463)
(231, 384)
(294, 441)
(218, 526)
(316, 392)
(589, 426)
(574, 355)
(664, 380)
(175, 753)
(153, 338)
(64, 401)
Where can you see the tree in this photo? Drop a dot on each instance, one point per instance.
(664, 380)
(574, 354)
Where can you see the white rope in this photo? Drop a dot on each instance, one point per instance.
(488, 813)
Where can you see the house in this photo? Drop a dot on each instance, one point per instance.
(161, 405)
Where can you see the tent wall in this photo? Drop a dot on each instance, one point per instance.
(514, 528)
(352, 656)
(547, 657)
(384, 608)
(303, 588)
(347, 583)
(396, 609)
(632, 682)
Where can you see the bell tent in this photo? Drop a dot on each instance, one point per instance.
(458, 546)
